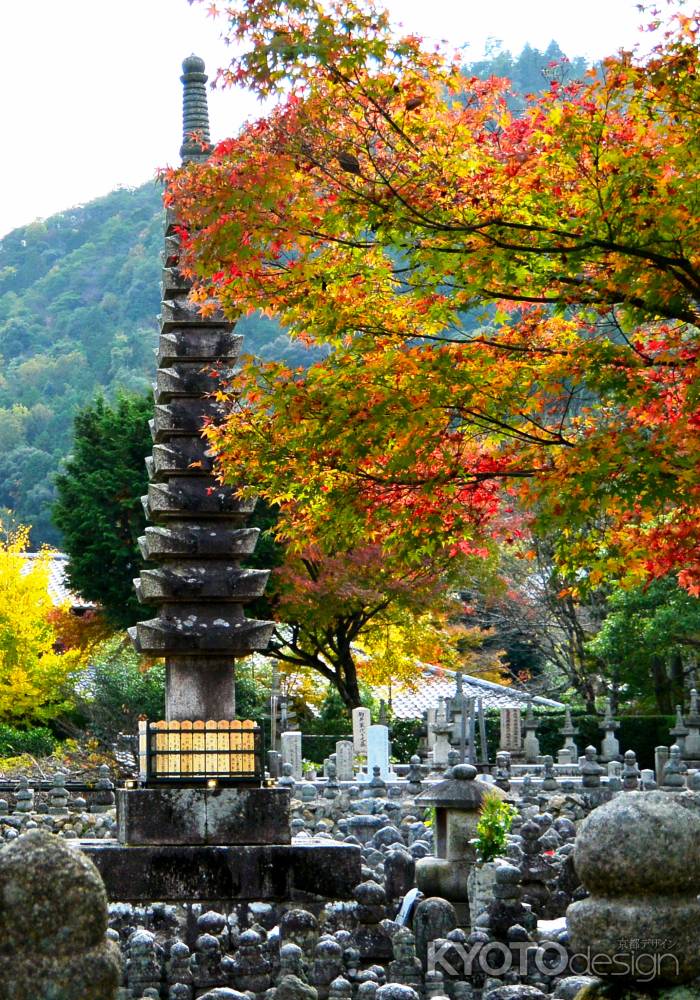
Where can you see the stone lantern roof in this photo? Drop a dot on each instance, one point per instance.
(462, 790)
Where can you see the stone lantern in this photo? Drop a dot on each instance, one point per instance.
(457, 803)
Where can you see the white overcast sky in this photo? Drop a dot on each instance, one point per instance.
(91, 91)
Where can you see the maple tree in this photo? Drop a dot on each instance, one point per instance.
(363, 616)
(509, 295)
(36, 670)
(541, 626)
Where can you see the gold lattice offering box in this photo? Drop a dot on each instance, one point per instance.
(197, 752)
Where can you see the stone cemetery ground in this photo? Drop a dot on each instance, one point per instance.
(516, 881)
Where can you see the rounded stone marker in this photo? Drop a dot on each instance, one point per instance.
(639, 857)
(53, 921)
(521, 992)
(641, 843)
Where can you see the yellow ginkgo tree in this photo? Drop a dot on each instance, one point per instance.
(395, 648)
(36, 677)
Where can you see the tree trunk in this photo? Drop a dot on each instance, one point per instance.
(662, 691)
(588, 695)
(677, 679)
(347, 684)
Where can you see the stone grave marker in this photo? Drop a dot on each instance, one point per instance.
(361, 721)
(430, 723)
(291, 752)
(511, 730)
(344, 760)
(378, 750)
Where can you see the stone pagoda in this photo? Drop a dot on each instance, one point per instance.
(198, 537)
(199, 825)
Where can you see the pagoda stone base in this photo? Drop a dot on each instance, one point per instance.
(303, 871)
(183, 845)
(194, 817)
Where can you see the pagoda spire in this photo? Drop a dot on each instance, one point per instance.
(196, 144)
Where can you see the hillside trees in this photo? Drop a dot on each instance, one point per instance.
(386, 195)
(78, 300)
(78, 303)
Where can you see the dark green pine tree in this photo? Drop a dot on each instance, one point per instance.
(100, 514)
(99, 508)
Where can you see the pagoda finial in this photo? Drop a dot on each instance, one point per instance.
(196, 144)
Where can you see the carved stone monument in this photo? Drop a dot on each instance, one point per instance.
(201, 826)
(692, 740)
(531, 745)
(638, 857)
(291, 753)
(198, 537)
(511, 731)
(610, 747)
(361, 721)
(53, 923)
(457, 801)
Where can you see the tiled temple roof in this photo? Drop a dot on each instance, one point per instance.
(409, 703)
(59, 590)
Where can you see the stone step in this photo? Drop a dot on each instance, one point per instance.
(300, 870)
(180, 311)
(210, 541)
(184, 416)
(170, 254)
(215, 579)
(172, 222)
(173, 283)
(180, 456)
(190, 378)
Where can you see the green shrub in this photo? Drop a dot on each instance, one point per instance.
(251, 700)
(643, 733)
(405, 736)
(495, 821)
(119, 691)
(39, 741)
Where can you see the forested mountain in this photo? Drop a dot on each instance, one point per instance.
(79, 298)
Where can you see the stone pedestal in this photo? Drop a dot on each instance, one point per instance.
(217, 844)
(480, 886)
(312, 870)
(194, 816)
